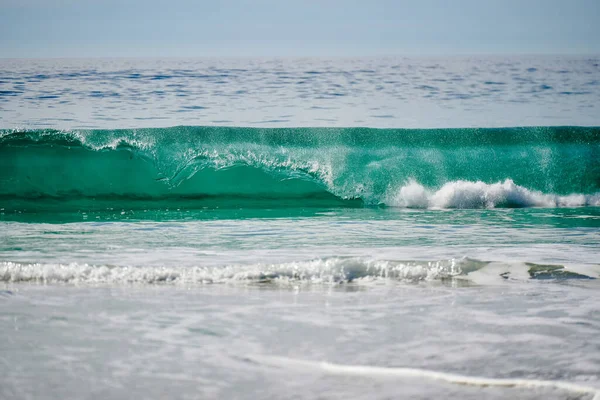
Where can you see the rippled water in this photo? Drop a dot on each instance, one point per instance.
(397, 92)
(249, 303)
(194, 263)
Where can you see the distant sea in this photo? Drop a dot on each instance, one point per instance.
(369, 228)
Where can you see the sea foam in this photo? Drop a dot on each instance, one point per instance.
(467, 194)
(319, 271)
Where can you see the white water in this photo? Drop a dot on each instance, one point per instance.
(466, 194)
(328, 271)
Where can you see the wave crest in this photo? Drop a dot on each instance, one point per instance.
(531, 167)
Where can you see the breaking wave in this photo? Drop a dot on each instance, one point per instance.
(334, 270)
(326, 271)
(195, 167)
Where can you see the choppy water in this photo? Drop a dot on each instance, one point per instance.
(147, 252)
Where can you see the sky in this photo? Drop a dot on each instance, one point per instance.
(263, 28)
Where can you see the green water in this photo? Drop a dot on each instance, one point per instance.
(196, 167)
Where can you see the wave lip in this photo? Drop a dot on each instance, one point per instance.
(467, 194)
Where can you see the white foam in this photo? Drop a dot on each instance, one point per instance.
(331, 270)
(467, 194)
(361, 370)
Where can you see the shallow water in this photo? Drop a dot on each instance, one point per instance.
(217, 341)
(195, 262)
(326, 245)
(199, 306)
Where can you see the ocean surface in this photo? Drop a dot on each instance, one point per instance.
(370, 228)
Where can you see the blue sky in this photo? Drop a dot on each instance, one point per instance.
(187, 28)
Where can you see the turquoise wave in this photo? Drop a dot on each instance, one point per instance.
(234, 166)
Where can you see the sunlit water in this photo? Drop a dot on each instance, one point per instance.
(279, 300)
(394, 92)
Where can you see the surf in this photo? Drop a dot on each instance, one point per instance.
(337, 270)
(195, 167)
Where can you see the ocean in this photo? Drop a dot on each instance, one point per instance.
(368, 228)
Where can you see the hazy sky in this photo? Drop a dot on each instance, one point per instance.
(85, 28)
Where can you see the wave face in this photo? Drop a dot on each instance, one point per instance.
(222, 166)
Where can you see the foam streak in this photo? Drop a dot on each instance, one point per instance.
(375, 372)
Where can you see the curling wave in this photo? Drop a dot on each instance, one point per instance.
(193, 167)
